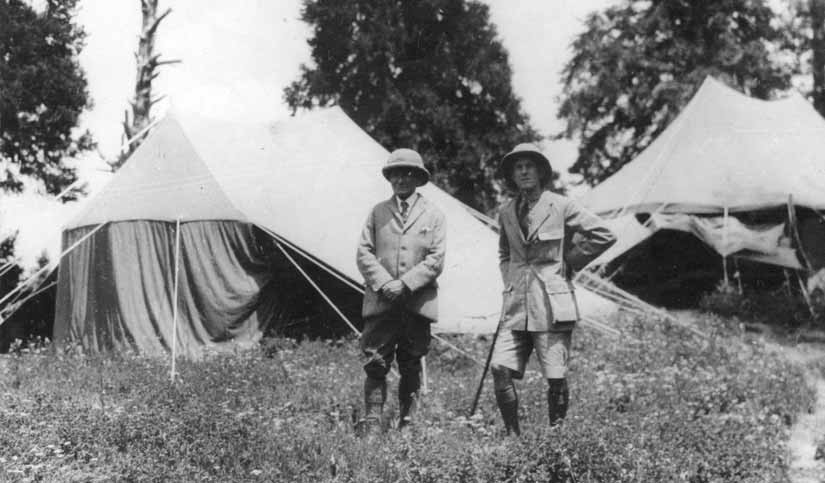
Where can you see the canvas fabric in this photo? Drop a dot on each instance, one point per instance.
(724, 150)
(116, 290)
(764, 243)
(311, 180)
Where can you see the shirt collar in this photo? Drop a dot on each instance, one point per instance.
(410, 200)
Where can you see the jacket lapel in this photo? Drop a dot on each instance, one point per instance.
(510, 217)
(540, 212)
(393, 207)
(416, 210)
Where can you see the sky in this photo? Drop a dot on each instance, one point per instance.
(237, 57)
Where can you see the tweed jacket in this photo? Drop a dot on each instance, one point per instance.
(412, 252)
(561, 237)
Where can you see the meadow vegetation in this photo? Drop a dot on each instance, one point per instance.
(785, 311)
(657, 405)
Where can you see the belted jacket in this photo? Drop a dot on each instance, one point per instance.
(561, 237)
(411, 251)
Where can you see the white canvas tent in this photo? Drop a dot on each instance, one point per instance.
(308, 181)
(725, 153)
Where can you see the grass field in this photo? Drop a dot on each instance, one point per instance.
(665, 407)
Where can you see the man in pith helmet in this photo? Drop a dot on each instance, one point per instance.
(543, 238)
(400, 255)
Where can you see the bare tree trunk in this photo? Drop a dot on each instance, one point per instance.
(147, 62)
(817, 8)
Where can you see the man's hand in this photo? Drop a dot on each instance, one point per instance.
(394, 290)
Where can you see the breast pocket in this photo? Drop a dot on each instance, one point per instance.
(424, 234)
(548, 244)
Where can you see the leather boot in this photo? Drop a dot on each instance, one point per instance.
(408, 395)
(558, 399)
(375, 393)
(408, 407)
(506, 398)
(508, 406)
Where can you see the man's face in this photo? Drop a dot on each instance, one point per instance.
(403, 181)
(525, 174)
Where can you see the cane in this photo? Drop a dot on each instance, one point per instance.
(484, 373)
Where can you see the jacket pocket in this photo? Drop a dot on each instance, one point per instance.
(508, 302)
(548, 244)
(562, 301)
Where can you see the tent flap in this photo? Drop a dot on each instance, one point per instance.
(115, 292)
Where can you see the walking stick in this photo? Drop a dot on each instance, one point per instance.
(484, 373)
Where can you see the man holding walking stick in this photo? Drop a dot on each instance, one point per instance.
(543, 238)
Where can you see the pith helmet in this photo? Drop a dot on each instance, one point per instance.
(530, 151)
(407, 158)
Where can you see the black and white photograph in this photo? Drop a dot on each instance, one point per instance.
(415, 241)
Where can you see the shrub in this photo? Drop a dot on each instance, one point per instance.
(776, 307)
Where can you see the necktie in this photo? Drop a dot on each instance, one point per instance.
(521, 212)
(404, 210)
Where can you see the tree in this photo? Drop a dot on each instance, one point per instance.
(817, 15)
(147, 62)
(430, 75)
(43, 91)
(638, 63)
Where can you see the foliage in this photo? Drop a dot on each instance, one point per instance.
(778, 307)
(429, 75)
(43, 93)
(35, 317)
(804, 20)
(658, 406)
(639, 62)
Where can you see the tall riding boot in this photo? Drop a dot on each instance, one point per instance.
(375, 393)
(408, 388)
(558, 399)
(507, 398)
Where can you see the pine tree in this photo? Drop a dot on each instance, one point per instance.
(429, 75)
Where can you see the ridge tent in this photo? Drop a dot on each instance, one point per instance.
(221, 194)
(730, 170)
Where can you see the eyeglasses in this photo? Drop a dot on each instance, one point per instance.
(401, 173)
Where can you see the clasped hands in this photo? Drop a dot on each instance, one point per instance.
(394, 290)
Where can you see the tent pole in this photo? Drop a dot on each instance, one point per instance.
(6, 267)
(321, 292)
(68, 188)
(725, 244)
(649, 308)
(805, 295)
(795, 233)
(317, 288)
(737, 275)
(172, 373)
(139, 134)
(320, 265)
(26, 299)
